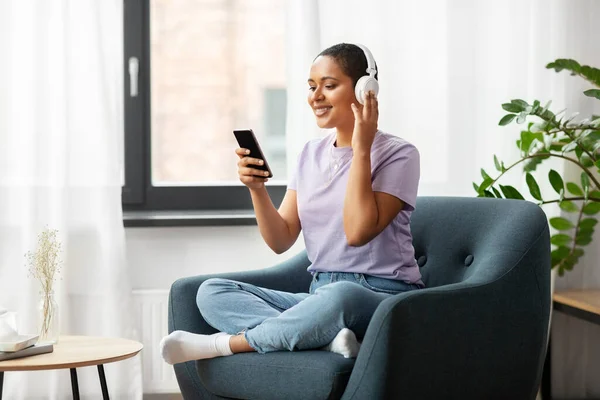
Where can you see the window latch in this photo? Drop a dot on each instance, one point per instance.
(134, 67)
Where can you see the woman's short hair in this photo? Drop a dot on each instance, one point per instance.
(351, 59)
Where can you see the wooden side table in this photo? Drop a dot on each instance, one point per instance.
(582, 304)
(73, 352)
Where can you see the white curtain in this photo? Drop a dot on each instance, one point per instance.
(61, 123)
(445, 68)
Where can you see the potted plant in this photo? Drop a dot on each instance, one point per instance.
(556, 136)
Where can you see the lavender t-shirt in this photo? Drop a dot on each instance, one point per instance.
(320, 182)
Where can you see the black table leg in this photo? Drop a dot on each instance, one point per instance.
(102, 382)
(1, 383)
(74, 384)
(547, 374)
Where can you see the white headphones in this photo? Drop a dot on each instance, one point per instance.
(367, 82)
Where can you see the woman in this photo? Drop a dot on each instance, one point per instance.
(351, 195)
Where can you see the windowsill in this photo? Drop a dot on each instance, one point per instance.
(138, 219)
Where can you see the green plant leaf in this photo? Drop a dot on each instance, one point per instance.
(595, 194)
(584, 134)
(574, 189)
(522, 103)
(527, 139)
(593, 93)
(497, 164)
(558, 254)
(569, 147)
(588, 223)
(531, 164)
(591, 74)
(597, 164)
(513, 107)
(568, 64)
(568, 206)
(510, 192)
(534, 144)
(586, 161)
(583, 239)
(539, 127)
(561, 239)
(476, 187)
(591, 139)
(591, 208)
(484, 185)
(556, 181)
(569, 262)
(546, 107)
(487, 193)
(534, 188)
(507, 119)
(484, 174)
(548, 142)
(585, 184)
(578, 151)
(497, 193)
(560, 223)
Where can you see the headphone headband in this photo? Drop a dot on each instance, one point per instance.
(371, 70)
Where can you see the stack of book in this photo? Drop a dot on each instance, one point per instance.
(23, 346)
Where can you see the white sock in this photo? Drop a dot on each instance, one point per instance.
(180, 346)
(344, 343)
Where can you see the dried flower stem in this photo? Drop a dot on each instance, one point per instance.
(44, 265)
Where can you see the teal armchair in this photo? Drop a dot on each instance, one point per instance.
(478, 331)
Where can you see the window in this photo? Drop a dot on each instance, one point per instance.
(194, 71)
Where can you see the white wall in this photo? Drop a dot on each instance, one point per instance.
(159, 256)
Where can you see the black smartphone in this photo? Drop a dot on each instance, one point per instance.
(247, 140)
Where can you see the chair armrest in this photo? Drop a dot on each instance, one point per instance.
(290, 275)
(461, 341)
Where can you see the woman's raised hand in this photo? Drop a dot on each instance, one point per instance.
(253, 178)
(365, 123)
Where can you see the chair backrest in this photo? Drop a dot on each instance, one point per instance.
(476, 239)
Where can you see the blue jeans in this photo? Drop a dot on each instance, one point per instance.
(273, 320)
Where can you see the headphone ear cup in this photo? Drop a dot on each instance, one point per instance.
(363, 85)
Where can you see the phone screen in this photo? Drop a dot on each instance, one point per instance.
(247, 140)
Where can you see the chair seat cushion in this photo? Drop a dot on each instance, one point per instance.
(281, 375)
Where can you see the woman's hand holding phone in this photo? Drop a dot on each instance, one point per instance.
(249, 176)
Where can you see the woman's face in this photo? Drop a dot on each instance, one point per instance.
(330, 94)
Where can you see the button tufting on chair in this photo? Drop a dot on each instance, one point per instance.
(468, 260)
(421, 261)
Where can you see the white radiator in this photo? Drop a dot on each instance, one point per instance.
(150, 310)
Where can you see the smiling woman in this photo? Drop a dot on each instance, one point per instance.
(351, 196)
